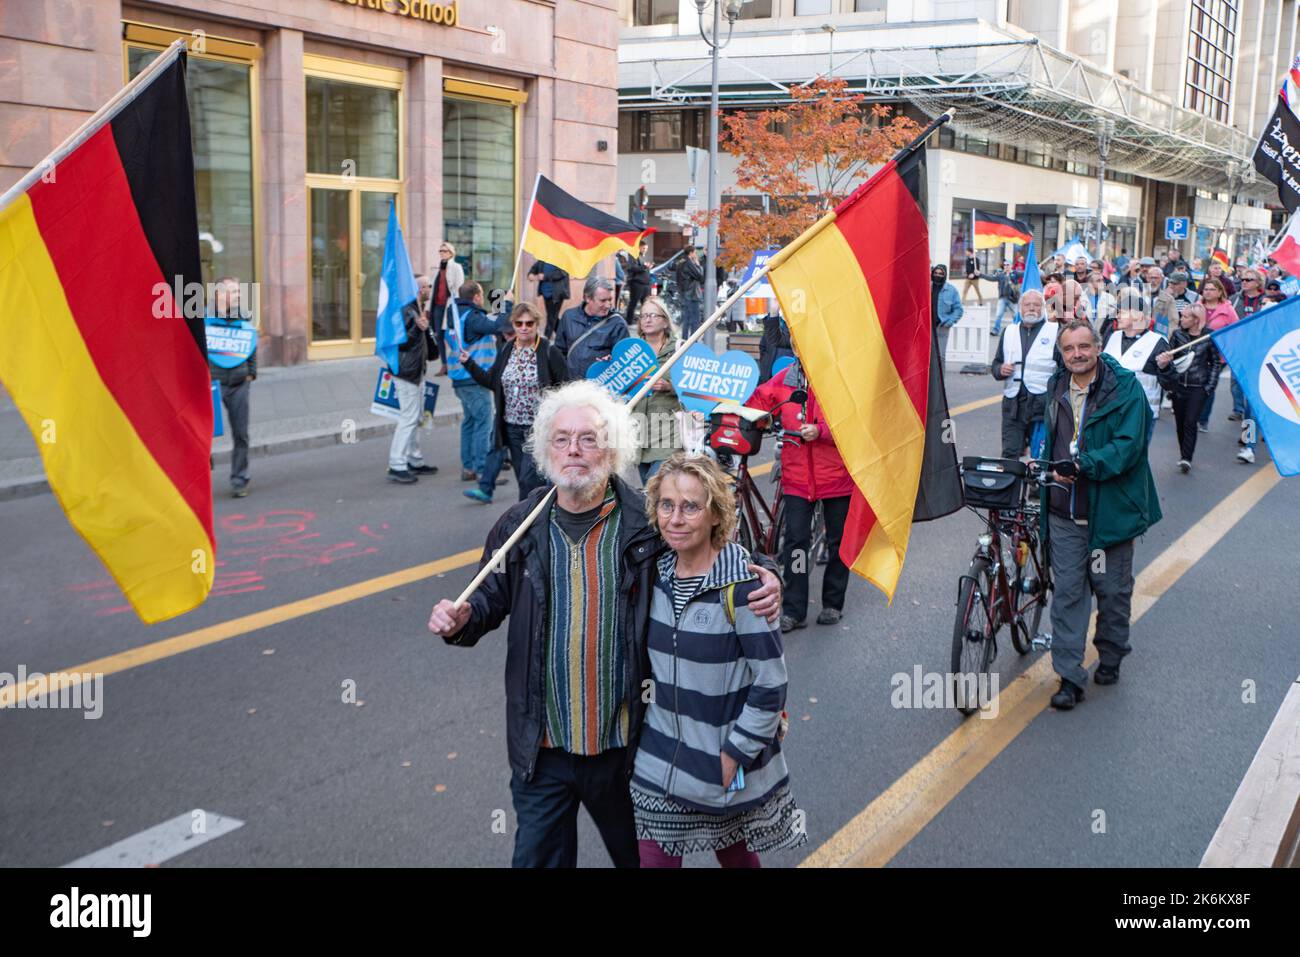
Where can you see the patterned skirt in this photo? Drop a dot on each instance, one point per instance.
(680, 830)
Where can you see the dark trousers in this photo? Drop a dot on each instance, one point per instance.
(1188, 408)
(1019, 416)
(797, 559)
(1077, 575)
(235, 399)
(553, 307)
(635, 296)
(527, 474)
(546, 808)
(437, 314)
(691, 317)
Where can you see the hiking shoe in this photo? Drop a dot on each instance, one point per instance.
(1234, 416)
(401, 477)
(1068, 696)
(468, 475)
(1202, 428)
(788, 624)
(1246, 456)
(1184, 466)
(240, 492)
(830, 616)
(422, 469)
(478, 495)
(1106, 675)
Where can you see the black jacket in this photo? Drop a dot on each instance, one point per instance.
(638, 273)
(774, 345)
(1204, 371)
(521, 592)
(690, 280)
(551, 371)
(413, 355)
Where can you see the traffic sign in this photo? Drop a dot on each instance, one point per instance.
(1177, 227)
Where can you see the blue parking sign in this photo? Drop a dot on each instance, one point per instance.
(1177, 227)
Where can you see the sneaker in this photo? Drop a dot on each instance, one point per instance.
(502, 480)
(478, 495)
(468, 475)
(401, 477)
(1234, 416)
(1068, 696)
(1184, 466)
(830, 616)
(1106, 675)
(422, 469)
(1202, 428)
(1247, 456)
(240, 492)
(788, 624)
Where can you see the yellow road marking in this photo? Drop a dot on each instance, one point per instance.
(977, 404)
(157, 650)
(212, 634)
(888, 823)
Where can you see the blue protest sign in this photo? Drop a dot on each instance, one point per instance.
(631, 361)
(385, 401)
(781, 364)
(762, 289)
(229, 343)
(218, 425)
(703, 379)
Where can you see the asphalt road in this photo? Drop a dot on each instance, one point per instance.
(256, 727)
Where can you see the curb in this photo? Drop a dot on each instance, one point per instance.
(280, 444)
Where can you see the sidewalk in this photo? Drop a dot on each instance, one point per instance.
(292, 408)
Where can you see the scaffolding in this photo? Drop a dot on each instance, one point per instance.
(1018, 92)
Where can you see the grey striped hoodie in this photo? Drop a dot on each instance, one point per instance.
(717, 687)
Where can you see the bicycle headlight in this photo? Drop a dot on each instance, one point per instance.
(986, 540)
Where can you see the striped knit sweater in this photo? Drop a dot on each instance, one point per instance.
(717, 687)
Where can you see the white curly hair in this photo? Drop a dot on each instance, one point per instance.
(617, 435)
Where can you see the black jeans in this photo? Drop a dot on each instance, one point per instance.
(553, 307)
(635, 296)
(1187, 412)
(235, 399)
(527, 474)
(1019, 416)
(546, 808)
(797, 560)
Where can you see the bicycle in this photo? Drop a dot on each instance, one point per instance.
(1007, 583)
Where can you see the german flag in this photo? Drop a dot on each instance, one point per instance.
(109, 375)
(1221, 257)
(855, 292)
(991, 230)
(568, 233)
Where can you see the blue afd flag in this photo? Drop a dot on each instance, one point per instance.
(397, 293)
(1032, 279)
(1264, 353)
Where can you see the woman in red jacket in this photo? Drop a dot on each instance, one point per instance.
(811, 471)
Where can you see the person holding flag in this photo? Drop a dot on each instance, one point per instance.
(403, 340)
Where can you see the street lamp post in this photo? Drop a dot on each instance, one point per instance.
(731, 9)
(830, 28)
(1105, 130)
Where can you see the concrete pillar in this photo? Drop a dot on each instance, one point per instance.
(285, 272)
(1246, 64)
(424, 221)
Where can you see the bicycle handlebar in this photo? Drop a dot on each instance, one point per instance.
(1037, 466)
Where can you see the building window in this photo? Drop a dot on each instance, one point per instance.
(1046, 230)
(649, 13)
(661, 131)
(812, 8)
(1211, 46)
(478, 182)
(986, 260)
(756, 10)
(221, 126)
(351, 129)
(870, 6)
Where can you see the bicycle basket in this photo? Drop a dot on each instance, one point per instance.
(992, 483)
(737, 428)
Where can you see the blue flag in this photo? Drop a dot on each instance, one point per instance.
(397, 294)
(1032, 279)
(1264, 353)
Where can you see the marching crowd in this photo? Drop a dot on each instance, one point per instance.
(645, 673)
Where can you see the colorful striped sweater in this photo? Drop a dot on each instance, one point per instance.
(718, 687)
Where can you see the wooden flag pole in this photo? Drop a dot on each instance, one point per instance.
(498, 558)
(519, 256)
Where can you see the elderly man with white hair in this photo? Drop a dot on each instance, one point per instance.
(1026, 359)
(577, 588)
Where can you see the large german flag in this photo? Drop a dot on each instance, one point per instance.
(568, 233)
(992, 230)
(855, 292)
(110, 377)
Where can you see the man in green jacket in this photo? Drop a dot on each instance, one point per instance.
(1096, 417)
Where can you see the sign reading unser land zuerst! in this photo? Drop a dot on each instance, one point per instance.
(448, 14)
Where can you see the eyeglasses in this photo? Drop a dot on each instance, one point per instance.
(587, 441)
(688, 509)
(652, 315)
(525, 323)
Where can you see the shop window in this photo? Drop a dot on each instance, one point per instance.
(648, 13)
(221, 126)
(352, 129)
(479, 187)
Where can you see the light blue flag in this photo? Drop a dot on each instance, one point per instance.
(1264, 353)
(397, 293)
(1032, 279)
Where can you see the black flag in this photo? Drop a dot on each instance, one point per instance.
(1277, 157)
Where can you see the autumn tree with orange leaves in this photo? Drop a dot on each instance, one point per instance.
(806, 157)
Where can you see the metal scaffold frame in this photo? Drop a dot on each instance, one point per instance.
(1018, 92)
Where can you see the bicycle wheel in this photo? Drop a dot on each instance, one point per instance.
(1029, 605)
(974, 641)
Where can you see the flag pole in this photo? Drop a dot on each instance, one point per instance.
(498, 557)
(119, 101)
(519, 256)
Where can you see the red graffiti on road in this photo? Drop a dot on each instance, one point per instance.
(253, 548)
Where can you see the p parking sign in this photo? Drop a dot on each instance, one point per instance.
(1177, 227)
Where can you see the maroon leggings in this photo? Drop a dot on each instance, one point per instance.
(737, 855)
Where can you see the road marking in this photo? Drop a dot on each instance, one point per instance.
(162, 842)
(977, 404)
(212, 634)
(887, 824)
(156, 651)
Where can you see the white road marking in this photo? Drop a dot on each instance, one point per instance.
(161, 842)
